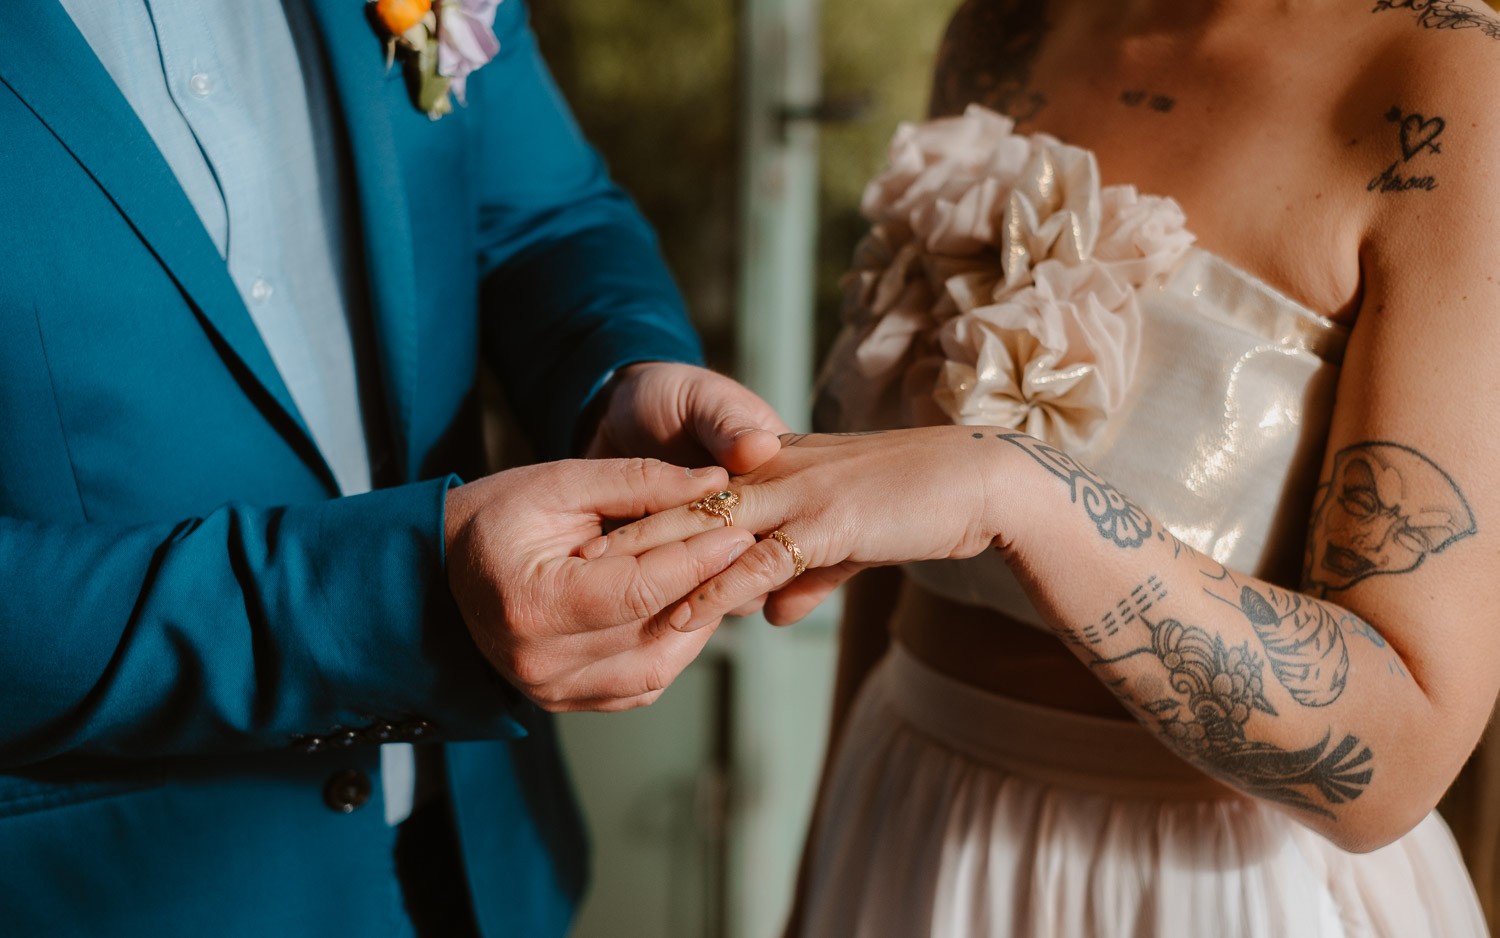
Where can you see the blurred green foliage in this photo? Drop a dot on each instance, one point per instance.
(653, 85)
(885, 49)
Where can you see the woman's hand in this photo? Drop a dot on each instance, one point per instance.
(848, 501)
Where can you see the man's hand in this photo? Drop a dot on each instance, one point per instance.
(688, 415)
(569, 633)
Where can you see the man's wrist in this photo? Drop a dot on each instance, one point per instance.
(591, 420)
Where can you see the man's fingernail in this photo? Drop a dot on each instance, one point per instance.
(741, 433)
(701, 471)
(594, 549)
(680, 616)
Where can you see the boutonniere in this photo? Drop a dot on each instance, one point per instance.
(441, 45)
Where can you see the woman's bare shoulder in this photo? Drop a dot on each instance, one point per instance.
(987, 56)
(1425, 108)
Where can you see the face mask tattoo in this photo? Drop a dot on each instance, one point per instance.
(1385, 508)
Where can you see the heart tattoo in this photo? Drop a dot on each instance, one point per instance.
(1417, 133)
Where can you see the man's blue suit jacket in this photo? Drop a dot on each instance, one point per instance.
(183, 595)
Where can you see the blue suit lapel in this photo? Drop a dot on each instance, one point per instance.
(363, 87)
(49, 65)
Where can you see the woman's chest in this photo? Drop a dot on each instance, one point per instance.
(1258, 151)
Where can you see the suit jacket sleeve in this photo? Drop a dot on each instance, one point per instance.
(244, 629)
(574, 284)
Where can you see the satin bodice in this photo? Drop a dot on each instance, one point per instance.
(1217, 429)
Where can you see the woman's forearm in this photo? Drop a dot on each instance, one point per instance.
(1350, 708)
(1292, 699)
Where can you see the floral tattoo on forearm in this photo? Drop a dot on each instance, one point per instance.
(1218, 690)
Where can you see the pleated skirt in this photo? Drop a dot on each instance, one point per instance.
(953, 812)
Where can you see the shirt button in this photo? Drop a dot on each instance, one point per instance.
(200, 85)
(347, 790)
(261, 290)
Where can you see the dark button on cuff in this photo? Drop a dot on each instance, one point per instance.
(380, 733)
(347, 790)
(414, 731)
(343, 738)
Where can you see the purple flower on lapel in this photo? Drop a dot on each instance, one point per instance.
(466, 40)
(442, 43)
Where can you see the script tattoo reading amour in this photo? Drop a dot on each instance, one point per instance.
(1418, 135)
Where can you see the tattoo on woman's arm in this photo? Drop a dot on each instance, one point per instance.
(1117, 517)
(1302, 637)
(792, 439)
(1161, 103)
(1216, 697)
(1444, 14)
(1418, 135)
(1384, 510)
(1127, 612)
(987, 56)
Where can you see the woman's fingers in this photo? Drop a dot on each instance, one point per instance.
(762, 569)
(746, 508)
(751, 608)
(804, 594)
(639, 588)
(650, 532)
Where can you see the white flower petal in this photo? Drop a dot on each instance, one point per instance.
(998, 284)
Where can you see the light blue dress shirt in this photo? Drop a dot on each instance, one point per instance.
(235, 97)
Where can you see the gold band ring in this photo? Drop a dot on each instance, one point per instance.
(799, 563)
(719, 504)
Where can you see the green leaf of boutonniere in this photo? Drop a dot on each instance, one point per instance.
(432, 88)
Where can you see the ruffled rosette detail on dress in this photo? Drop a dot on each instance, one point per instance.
(997, 286)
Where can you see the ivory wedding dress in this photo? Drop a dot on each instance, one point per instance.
(1002, 285)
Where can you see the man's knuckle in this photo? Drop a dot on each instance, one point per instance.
(643, 469)
(530, 672)
(658, 677)
(764, 563)
(643, 599)
(550, 694)
(554, 705)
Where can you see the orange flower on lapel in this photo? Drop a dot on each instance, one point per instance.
(441, 46)
(398, 16)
